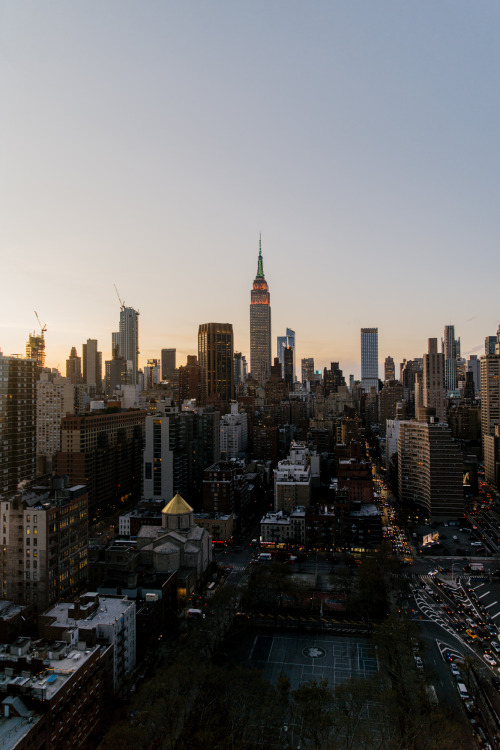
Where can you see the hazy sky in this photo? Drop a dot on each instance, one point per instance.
(146, 144)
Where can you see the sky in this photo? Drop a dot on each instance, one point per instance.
(148, 144)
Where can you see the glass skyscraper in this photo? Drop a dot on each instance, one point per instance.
(286, 342)
(127, 341)
(369, 359)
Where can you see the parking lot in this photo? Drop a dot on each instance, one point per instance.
(455, 541)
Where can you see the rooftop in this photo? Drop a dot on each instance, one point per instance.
(59, 664)
(109, 610)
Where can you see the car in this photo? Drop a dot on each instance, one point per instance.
(455, 670)
(491, 661)
(419, 663)
(495, 646)
(496, 683)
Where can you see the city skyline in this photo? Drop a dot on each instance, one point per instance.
(150, 150)
(349, 364)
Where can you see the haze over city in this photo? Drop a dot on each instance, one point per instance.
(148, 145)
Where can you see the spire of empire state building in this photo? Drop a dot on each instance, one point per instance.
(260, 325)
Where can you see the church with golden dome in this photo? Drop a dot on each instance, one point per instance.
(177, 545)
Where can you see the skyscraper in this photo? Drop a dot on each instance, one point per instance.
(191, 382)
(17, 421)
(489, 344)
(451, 351)
(260, 325)
(430, 469)
(216, 358)
(433, 395)
(474, 366)
(288, 368)
(307, 369)
(284, 342)
(333, 378)
(92, 365)
(167, 363)
(74, 367)
(390, 369)
(240, 368)
(490, 409)
(127, 339)
(369, 359)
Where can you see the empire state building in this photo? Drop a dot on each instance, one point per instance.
(260, 326)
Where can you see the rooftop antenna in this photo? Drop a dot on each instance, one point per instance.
(122, 304)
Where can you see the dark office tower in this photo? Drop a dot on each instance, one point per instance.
(451, 350)
(92, 366)
(127, 339)
(489, 344)
(191, 382)
(307, 369)
(332, 378)
(215, 356)
(17, 421)
(288, 353)
(103, 451)
(260, 326)
(408, 369)
(74, 367)
(115, 373)
(369, 359)
(389, 369)
(474, 367)
(469, 390)
(167, 363)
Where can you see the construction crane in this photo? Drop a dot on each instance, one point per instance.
(42, 328)
(122, 304)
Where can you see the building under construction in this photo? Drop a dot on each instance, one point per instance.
(35, 346)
